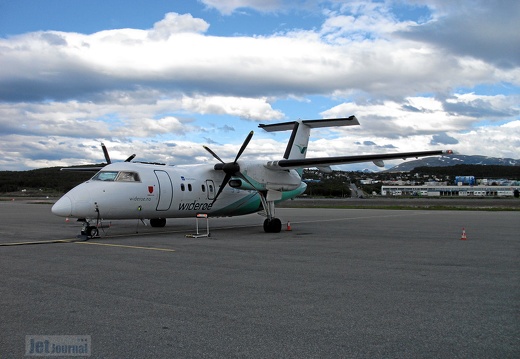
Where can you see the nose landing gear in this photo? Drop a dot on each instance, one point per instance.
(88, 231)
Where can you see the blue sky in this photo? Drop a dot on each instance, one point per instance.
(162, 78)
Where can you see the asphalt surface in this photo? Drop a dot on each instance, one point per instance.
(477, 203)
(342, 283)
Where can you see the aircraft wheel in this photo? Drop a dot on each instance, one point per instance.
(276, 225)
(266, 225)
(158, 222)
(272, 226)
(92, 231)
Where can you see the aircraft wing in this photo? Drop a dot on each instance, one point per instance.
(327, 161)
(81, 169)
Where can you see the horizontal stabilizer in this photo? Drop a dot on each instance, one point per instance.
(301, 129)
(332, 122)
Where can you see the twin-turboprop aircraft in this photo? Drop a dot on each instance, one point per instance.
(133, 190)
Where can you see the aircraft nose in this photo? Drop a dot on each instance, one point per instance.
(63, 207)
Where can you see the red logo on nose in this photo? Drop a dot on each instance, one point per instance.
(150, 189)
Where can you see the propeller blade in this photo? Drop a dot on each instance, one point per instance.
(230, 168)
(130, 158)
(105, 152)
(244, 145)
(213, 153)
(224, 183)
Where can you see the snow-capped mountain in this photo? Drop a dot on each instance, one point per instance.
(452, 160)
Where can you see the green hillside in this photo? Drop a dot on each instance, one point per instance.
(41, 180)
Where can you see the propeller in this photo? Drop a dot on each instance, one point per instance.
(105, 152)
(107, 157)
(230, 168)
(95, 169)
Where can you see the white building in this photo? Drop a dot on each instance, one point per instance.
(450, 191)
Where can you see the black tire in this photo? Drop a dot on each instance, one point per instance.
(272, 226)
(266, 225)
(92, 232)
(276, 225)
(158, 222)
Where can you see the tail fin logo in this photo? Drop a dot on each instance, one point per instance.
(302, 148)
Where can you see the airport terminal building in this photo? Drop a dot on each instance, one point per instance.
(450, 191)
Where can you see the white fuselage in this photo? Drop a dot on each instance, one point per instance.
(128, 190)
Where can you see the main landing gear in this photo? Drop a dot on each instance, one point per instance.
(271, 223)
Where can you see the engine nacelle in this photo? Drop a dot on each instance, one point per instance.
(240, 184)
(264, 178)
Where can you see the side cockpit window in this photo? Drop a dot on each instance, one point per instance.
(119, 176)
(125, 176)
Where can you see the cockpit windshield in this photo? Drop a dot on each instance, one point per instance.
(117, 176)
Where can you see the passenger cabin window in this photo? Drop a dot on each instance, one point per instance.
(123, 176)
(189, 187)
(182, 187)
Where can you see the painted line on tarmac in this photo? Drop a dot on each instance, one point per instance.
(125, 246)
(359, 217)
(37, 242)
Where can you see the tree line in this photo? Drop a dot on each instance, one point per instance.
(478, 171)
(45, 179)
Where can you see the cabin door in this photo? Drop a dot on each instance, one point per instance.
(165, 190)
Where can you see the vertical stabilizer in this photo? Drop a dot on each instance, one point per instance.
(301, 130)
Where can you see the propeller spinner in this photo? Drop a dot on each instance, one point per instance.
(230, 168)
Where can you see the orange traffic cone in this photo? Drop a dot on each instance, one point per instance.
(289, 226)
(463, 237)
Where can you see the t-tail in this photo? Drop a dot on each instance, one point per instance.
(301, 130)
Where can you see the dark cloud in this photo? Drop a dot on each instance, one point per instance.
(386, 126)
(443, 139)
(58, 84)
(390, 146)
(478, 108)
(227, 128)
(410, 108)
(375, 145)
(486, 30)
(209, 141)
(53, 39)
